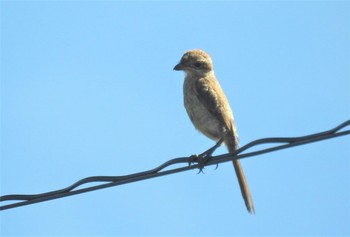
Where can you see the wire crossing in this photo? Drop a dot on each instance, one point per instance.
(192, 162)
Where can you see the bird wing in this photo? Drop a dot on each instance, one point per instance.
(210, 94)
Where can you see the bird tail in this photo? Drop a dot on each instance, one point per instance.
(243, 184)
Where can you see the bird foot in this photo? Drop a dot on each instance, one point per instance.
(197, 160)
(201, 160)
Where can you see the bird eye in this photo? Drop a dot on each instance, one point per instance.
(197, 64)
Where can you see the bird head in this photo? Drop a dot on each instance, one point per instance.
(194, 62)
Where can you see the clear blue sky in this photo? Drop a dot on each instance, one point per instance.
(87, 88)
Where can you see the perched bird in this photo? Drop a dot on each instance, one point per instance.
(209, 110)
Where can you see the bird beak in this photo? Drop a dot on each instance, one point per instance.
(178, 67)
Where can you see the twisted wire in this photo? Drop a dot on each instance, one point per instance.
(192, 162)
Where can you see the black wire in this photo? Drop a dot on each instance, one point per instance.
(195, 162)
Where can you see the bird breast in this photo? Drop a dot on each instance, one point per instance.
(201, 118)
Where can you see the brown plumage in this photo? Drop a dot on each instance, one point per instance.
(209, 110)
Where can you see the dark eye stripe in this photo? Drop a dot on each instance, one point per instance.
(198, 64)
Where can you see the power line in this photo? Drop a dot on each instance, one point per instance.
(192, 162)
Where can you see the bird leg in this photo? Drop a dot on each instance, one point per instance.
(208, 153)
(203, 158)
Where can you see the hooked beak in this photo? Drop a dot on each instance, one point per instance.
(178, 67)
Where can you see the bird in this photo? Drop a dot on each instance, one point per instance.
(209, 109)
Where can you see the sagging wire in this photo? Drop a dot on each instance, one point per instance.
(192, 162)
